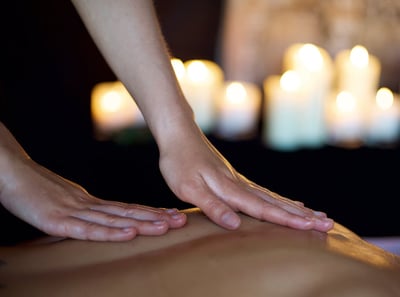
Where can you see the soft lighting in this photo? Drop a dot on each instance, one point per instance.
(359, 56)
(202, 80)
(384, 98)
(238, 105)
(310, 56)
(179, 68)
(345, 101)
(111, 102)
(113, 109)
(290, 81)
(384, 121)
(197, 71)
(236, 93)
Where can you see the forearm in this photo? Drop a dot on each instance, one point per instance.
(10, 153)
(128, 35)
(10, 149)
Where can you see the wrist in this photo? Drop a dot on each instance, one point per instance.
(173, 123)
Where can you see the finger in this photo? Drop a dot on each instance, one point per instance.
(218, 211)
(273, 198)
(83, 230)
(295, 207)
(144, 227)
(321, 220)
(277, 214)
(245, 196)
(173, 217)
(252, 205)
(236, 195)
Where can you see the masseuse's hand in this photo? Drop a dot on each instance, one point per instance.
(62, 208)
(198, 174)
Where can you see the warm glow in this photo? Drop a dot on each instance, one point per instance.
(179, 68)
(197, 71)
(111, 101)
(345, 102)
(236, 93)
(311, 57)
(359, 56)
(384, 98)
(290, 81)
(113, 108)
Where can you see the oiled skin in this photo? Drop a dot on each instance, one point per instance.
(202, 259)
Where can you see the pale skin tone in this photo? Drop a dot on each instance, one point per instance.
(127, 34)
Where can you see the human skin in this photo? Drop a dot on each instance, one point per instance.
(257, 259)
(128, 35)
(60, 207)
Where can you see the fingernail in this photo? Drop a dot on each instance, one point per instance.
(171, 210)
(177, 216)
(231, 220)
(320, 214)
(328, 221)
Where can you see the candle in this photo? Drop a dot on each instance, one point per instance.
(358, 72)
(282, 111)
(202, 81)
(345, 120)
(179, 68)
(315, 66)
(113, 109)
(238, 107)
(313, 63)
(384, 118)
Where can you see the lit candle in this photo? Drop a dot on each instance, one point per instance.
(358, 72)
(238, 108)
(312, 62)
(315, 66)
(113, 109)
(345, 120)
(282, 111)
(384, 118)
(179, 68)
(202, 81)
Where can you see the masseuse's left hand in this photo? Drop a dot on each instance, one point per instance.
(198, 174)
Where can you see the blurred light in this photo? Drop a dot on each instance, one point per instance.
(345, 101)
(311, 57)
(179, 68)
(359, 56)
(384, 98)
(290, 81)
(235, 92)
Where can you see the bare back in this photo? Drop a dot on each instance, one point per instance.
(202, 259)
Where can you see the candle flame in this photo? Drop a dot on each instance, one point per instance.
(178, 67)
(197, 71)
(235, 92)
(290, 81)
(345, 101)
(111, 102)
(384, 98)
(311, 57)
(359, 56)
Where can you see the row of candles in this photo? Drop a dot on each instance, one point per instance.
(317, 100)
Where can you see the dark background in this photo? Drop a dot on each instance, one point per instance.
(48, 68)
